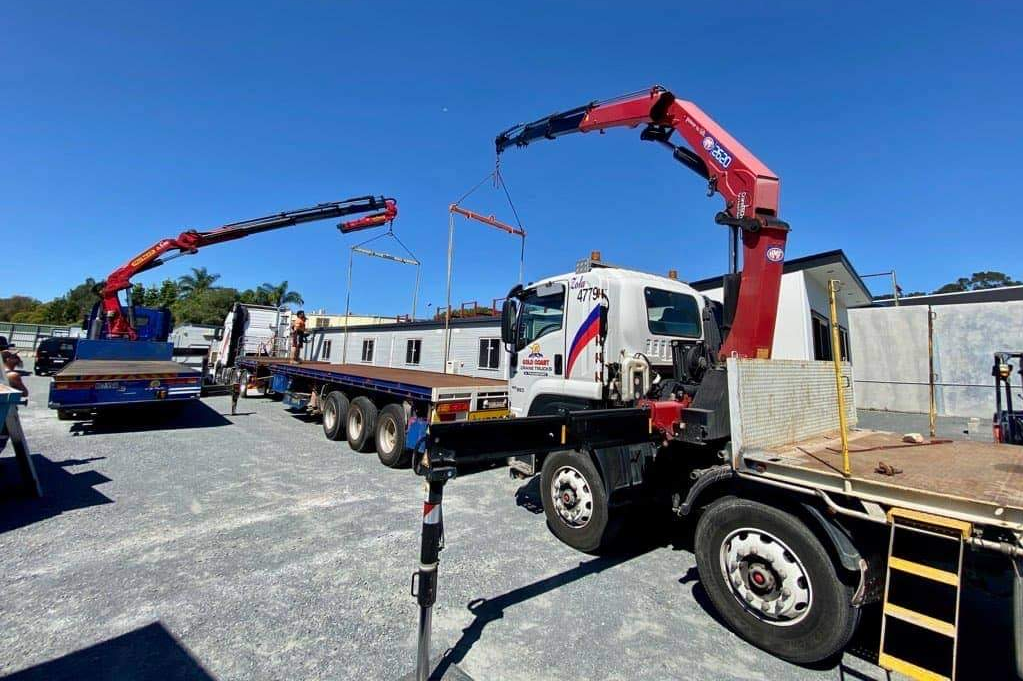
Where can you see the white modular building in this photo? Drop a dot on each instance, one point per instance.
(803, 327)
(475, 346)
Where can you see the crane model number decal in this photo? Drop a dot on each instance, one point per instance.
(717, 151)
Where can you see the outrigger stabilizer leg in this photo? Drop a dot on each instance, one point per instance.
(424, 580)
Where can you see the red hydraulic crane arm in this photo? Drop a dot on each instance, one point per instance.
(190, 241)
(749, 188)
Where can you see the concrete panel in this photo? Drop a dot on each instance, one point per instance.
(889, 348)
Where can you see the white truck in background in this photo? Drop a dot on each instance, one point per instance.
(248, 331)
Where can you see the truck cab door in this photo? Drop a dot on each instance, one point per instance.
(539, 351)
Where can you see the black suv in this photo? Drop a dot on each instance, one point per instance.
(53, 354)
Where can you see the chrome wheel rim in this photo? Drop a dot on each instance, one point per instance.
(329, 415)
(572, 497)
(355, 424)
(389, 435)
(766, 577)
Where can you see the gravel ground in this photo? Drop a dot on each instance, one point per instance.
(250, 547)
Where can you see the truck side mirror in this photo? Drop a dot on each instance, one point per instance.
(508, 318)
(602, 331)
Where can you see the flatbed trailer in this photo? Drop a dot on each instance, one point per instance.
(88, 386)
(776, 504)
(381, 408)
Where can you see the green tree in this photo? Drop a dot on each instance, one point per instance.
(14, 305)
(978, 281)
(138, 294)
(162, 296)
(199, 280)
(278, 294)
(78, 302)
(208, 306)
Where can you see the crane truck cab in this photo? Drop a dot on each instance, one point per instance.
(600, 336)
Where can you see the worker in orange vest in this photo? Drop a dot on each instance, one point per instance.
(297, 335)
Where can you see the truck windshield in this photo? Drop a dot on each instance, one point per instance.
(670, 313)
(541, 311)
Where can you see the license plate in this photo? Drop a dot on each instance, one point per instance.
(487, 414)
(108, 385)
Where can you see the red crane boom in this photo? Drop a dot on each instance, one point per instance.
(190, 241)
(749, 188)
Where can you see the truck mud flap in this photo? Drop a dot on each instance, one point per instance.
(622, 466)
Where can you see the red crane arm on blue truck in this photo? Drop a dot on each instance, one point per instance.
(190, 241)
(749, 188)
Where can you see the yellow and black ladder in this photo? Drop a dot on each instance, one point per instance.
(920, 617)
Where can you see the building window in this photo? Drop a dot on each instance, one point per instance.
(325, 350)
(413, 346)
(367, 350)
(490, 353)
(821, 337)
(843, 344)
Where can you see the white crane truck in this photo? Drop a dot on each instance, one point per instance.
(629, 389)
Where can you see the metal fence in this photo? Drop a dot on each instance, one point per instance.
(26, 337)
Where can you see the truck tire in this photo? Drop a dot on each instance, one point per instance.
(390, 437)
(772, 581)
(575, 502)
(243, 383)
(65, 415)
(335, 413)
(362, 422)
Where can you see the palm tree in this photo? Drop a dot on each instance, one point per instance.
(199, 280)
(279, 294)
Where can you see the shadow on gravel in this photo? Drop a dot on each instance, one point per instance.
(150, 653)
(166, 416)
(63, 490)
(487, 610)
(528, 496)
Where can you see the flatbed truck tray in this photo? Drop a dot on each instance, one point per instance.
(980, 482)
(374, 407)
(87, 385)
(411, 383)
(111, 369)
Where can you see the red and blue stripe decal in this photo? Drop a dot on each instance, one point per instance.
(587, 332)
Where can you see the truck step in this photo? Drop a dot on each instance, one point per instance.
(920, 615)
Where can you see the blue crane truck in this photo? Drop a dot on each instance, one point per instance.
(126, 359)
(108, 373)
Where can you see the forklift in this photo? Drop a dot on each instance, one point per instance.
(1007, 425)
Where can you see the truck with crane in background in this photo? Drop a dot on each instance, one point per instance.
(126, 358)
(631, 391)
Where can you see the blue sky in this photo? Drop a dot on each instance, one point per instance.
(894, 128)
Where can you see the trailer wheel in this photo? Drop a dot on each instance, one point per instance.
(65, 415)
(362, 422)
(335, 411)
(243, 383)
(575, 502)
(390, 437)
(772, 581)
